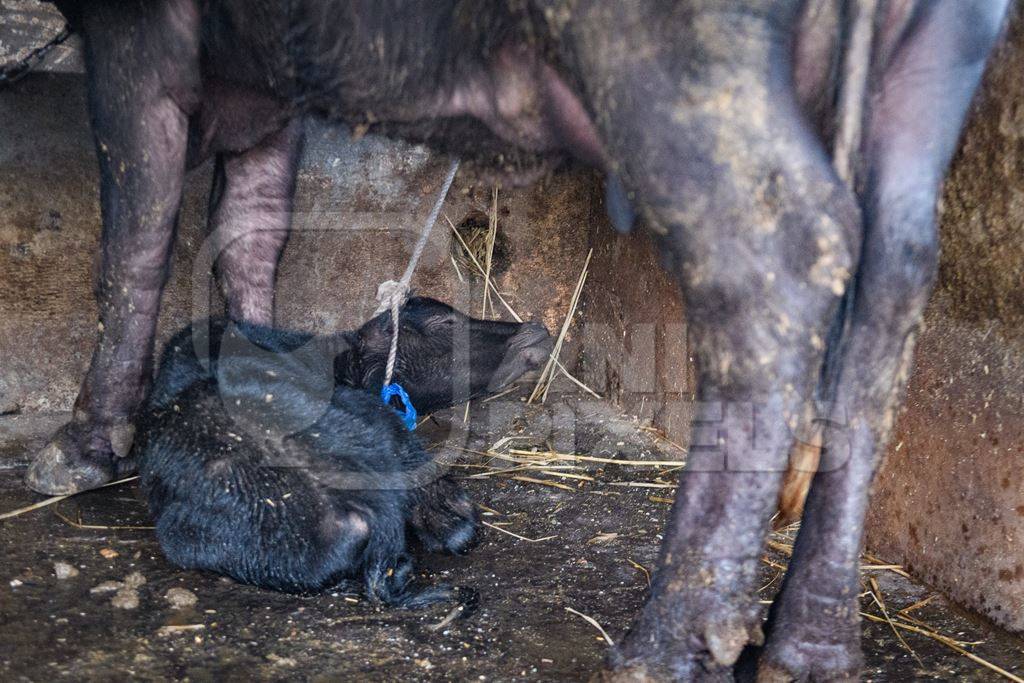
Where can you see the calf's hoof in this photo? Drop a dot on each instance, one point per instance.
(445, 518)
(65, 466)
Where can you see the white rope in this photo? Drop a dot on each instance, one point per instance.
(392, 295)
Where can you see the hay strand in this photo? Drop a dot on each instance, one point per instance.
(547, 375)
(948, 642)
(573, 457)
(593, 622)
(480, 269)
(544, 482)
(57, 499)
(99, 527)
(515, 535)
(876, 595)
(647, 573)
(492, 233)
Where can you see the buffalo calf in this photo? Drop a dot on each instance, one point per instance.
(267, 455)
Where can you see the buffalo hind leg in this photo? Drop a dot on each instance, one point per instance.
(920, 98)
(707, 133)
(250, 216)
(140, 59)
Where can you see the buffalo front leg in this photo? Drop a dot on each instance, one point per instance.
(250, 215)
(139, 58)
(919, 100)
(705, 130)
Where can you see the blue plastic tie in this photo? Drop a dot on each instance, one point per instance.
(388, 392)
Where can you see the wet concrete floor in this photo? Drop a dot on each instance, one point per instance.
(61, 618)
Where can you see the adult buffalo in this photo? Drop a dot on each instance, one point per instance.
(788, 152)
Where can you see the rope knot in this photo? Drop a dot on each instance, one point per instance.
(391, 295)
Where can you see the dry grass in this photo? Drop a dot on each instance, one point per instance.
(56, 499)
(497, 527)
(547, 376)
(98, 527)
(593, 622)
(489, 238)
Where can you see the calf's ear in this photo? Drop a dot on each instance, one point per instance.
(342, 346)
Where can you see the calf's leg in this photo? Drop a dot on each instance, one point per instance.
(707, 132)
(923, 83)
(142, 61)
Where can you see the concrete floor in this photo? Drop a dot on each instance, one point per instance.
(53, 628)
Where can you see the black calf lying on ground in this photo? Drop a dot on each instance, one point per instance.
(269, 460)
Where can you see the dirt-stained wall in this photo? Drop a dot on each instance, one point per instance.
(635, 341)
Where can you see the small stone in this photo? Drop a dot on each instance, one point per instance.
(278, 660)
(126, 598)
(179, 629)
(604, 537)
(134, 580)
(180, 598)
(106, 587)
(109, 553)
(63, 570)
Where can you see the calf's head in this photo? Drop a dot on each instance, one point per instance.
(444, 357)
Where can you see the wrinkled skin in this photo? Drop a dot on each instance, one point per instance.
(712, 118)
(267, 455)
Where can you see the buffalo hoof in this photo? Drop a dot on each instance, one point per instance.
(792, 659)
(814, 645)
(699, 639)
(64, 466)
